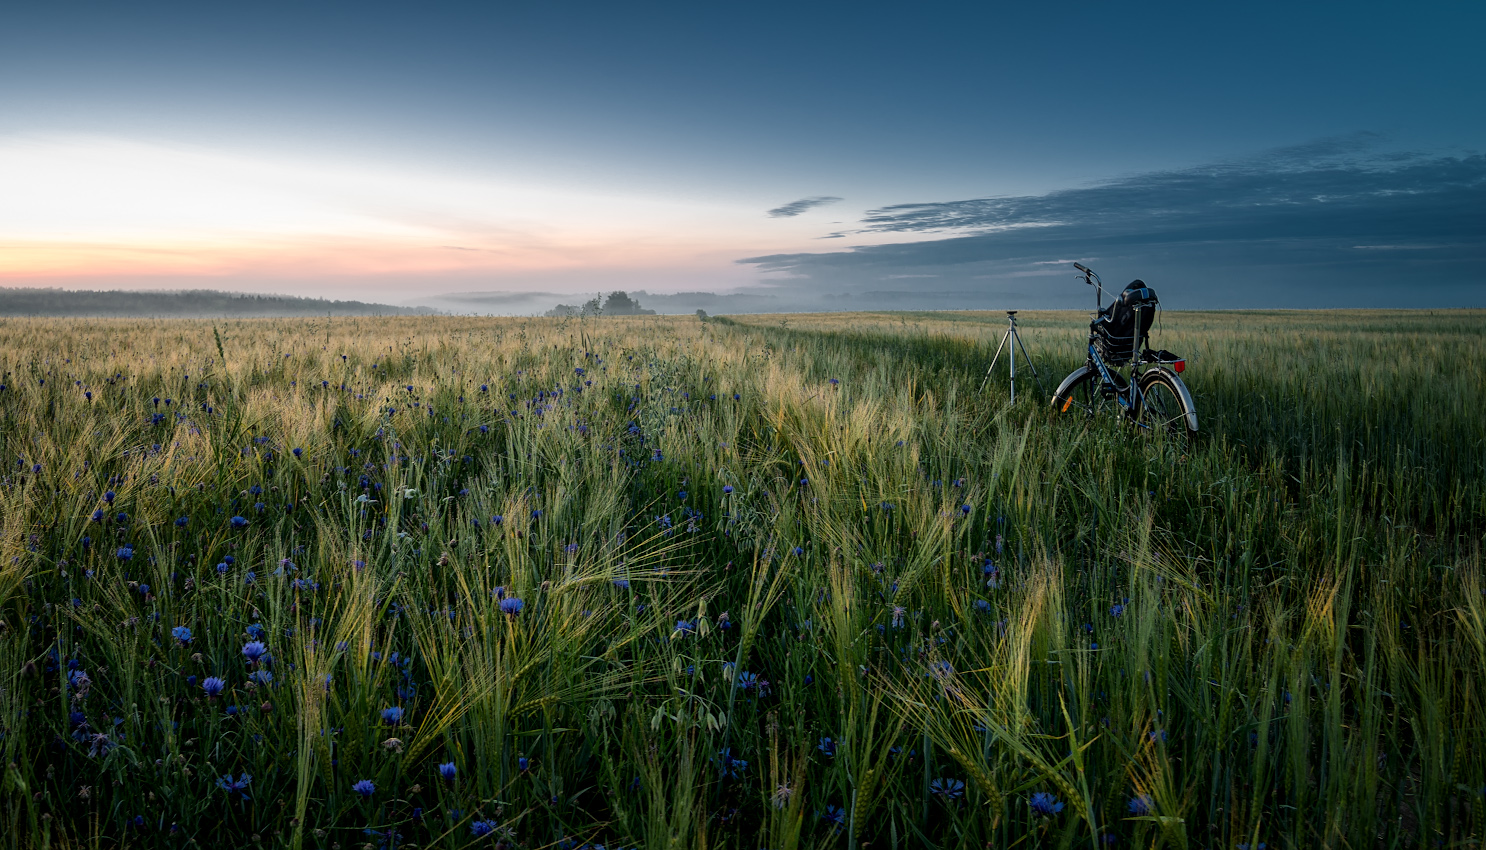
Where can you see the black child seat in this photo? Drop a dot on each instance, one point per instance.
(1114, 334)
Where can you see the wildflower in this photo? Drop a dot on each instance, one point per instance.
(898, 612)
(731, 767)
(235, 786)
(727, 488)
(827, 746)
(511, 605)
(108, 497)
(182, 522)
(1140, 804)
(781, 796)
(250, 577)
(497, 519)
(482, 828)
(834, 815)
(213, 686)
(239, 522)
(181, 634)
(262, 677)
(299, 452)
(1044, 804)
(125, 552)
(685, 627)
(392, 716)
(965, 509)
(949, 789)
(254, 650)
(364, 787)
(799, 550)
(448, 771)
(222, 569)
(1116, 610)
(523, 764)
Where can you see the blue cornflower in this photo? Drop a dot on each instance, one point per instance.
(965, 509)
(1044, 804)
(685, 627)
(523, 764)
(949, 789)
(254, 650)
(235, 786)
(183, 522)
(1140, 804)
(482, 828)
(213, 685)
(799, 550)
(222, 569)
(827, 746)
(108, 496)
(181, 633)
(299, 452)
(365, 788)
(511, 605)
(239, 522)
(731, 767)
(262, 677)
(250, 577)
(1116, 610)
(448, 771)
(727, 488)
(497, 519)
(392, 716)
(125, 552)
(835, 815)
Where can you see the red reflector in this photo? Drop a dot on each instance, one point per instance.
(1179, 366)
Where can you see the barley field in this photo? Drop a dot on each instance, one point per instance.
(759, 582)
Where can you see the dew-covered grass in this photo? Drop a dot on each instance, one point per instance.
(769, 582)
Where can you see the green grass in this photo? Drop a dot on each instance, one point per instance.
(1276, 634)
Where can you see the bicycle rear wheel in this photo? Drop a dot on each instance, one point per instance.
(1165, 406)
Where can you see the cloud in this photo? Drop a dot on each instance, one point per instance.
(1279, 229)
(794, 208)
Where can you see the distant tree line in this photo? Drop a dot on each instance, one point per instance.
(194, 303)
(617, 304)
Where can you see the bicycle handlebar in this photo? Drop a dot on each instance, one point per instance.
(1081, 267)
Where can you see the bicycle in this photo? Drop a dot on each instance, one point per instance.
(1150, 396)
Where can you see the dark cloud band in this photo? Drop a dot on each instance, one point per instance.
(794, 208)
(1304, 226)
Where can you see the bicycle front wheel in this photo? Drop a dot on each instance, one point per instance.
(1085, 394)
(1165, 406)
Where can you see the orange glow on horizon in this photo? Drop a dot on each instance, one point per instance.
(84, 208)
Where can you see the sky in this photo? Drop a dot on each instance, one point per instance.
(796, 155)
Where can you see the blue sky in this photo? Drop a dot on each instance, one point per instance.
(947, 154)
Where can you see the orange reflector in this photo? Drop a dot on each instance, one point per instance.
(1179, 366)
(1067, 404)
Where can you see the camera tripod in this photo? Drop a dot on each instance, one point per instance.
(1011, 341)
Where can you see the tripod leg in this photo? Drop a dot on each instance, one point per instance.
(990, 368)
(1028, 358)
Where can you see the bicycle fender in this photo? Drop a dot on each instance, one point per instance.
(1073, 378)
(1186, 397)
